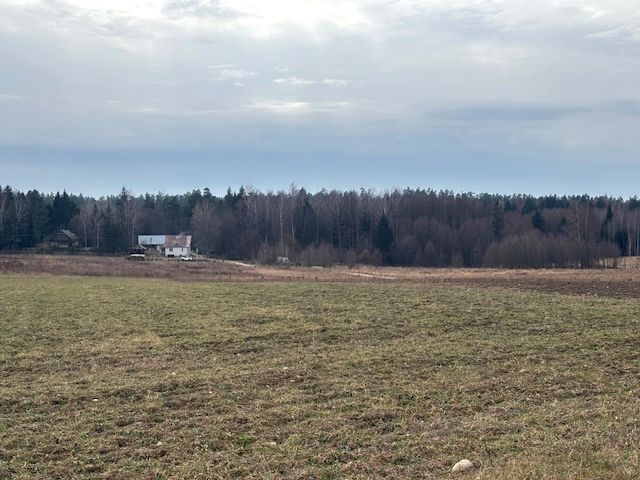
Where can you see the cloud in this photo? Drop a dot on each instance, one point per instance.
(512, 77)
(288, 107)
(334, 82)
(495, 55)
(9, 97)
(230, 72)
(281, 106)
(294, 81)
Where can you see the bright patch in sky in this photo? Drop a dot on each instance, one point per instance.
(515, 92)
(271, 16)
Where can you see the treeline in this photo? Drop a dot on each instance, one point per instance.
(409, 227)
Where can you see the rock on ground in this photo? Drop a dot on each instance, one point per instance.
(462, 466)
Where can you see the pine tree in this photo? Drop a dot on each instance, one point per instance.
(606, 229)
(383, 238)
(230, 198)
(538, 221)
(509, 206)
(61, 211)
(563, 225)
(529, 205)
(497, 222)
(609, 216)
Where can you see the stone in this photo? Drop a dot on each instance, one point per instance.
(462, 466)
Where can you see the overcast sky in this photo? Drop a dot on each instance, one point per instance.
(470, 95)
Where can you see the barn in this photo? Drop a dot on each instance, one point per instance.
(64, 239)
(152, 241)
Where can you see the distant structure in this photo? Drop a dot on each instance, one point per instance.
(64, 239)
(177, 246)
(168, 245)
(152, 241)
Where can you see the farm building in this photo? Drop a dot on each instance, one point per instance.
(169, 245)
(152, 241)
(177, 246)
(64, 239)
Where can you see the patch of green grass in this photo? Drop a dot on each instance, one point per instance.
(133, 378)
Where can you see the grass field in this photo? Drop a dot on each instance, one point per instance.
(152, 379)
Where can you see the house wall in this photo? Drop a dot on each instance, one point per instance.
(177, 251)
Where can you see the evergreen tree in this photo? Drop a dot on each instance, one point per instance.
(193, 199)
(509, 206)
(38, 218)
(497, 222)
(230, 198)
(606, 229)
(538, 221)
(563, 225)
(529, 206)
(61, 212)
(609, 216)
(383, 238)
(113, 238)
(149, 201)
(171, 212)
(7, 218)
(30, 237)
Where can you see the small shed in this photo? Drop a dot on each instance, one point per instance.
(64, 239)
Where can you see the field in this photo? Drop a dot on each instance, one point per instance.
(365, 373)
(618, 283)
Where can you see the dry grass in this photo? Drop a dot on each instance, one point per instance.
(124, 378)
(623, 283)
(84, 265)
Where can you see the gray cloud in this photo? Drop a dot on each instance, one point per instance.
(510, 113)
(411, 79)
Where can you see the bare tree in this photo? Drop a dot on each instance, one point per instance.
(252, 200)
(128, 209)
(20, 207)
(206, 226)
(336, 202)
(4, 210)
(85, 216)
(267, 214)
(97, 217)
(293, 197)
(281, 197)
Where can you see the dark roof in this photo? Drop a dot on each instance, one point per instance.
(65, 237)
(68, 233)
(177, 241)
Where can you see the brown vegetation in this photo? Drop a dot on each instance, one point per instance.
(618, 283)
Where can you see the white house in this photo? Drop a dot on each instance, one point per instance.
(170, 245)
(177, 246)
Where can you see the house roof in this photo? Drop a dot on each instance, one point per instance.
(70, 235)
(152, 239)
(173, 241)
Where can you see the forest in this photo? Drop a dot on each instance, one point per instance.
(410, 227)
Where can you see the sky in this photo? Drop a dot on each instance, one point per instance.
(497, 96)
